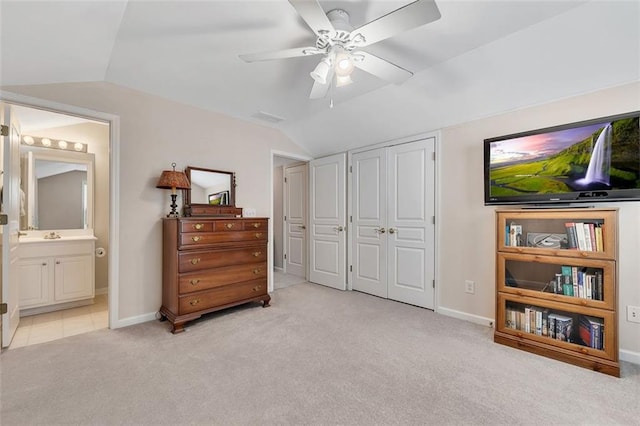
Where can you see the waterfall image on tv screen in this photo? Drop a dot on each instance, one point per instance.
(601, 156)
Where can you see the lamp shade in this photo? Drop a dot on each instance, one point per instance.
(173, 179)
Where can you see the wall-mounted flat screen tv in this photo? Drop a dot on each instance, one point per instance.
(590, 161)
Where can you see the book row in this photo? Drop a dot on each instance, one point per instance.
(575, 281)
(579, 329)
(585, 236)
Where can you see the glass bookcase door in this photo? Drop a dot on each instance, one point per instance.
(589, 234)
(584, 282)
(582, 330)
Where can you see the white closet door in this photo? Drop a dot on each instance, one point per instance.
(410, 223)
(328, 221)
(369, 237)
(296, 219)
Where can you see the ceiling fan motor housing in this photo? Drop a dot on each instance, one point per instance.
(339, 18)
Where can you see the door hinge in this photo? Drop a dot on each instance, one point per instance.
(285, 218)
(433, 156)
(350, 268)
(350, 169)
(433, 220)
(285, 180)
(3, 308)
(4, 130)
(350, 219)
(285, 256)
(433, 283)
(4, 219)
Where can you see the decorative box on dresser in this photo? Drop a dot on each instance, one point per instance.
(212, 263)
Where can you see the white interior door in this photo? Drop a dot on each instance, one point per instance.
(295, 219)
(328, 221)
(10, 207)
(410, 227)
(369, 239)
(393, 210)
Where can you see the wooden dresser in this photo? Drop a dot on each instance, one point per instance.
(211, 264)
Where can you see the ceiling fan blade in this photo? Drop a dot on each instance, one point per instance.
(413, 15)
(313, 15)
(381, 68)
(280, 54)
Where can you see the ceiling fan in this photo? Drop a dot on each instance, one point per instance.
(340, 43)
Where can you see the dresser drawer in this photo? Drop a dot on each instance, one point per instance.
(189, 261)
(221, 296)
(255, 224)
(196, 226)
(229, 225)
(195, 239)
(211, 278)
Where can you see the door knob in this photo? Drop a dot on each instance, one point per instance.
(302, 227)
(392, 230)
(380, 230)
(338, 228)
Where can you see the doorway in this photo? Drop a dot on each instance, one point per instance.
(289, 215)
(41, 320)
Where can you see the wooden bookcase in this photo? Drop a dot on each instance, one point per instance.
(556, 290)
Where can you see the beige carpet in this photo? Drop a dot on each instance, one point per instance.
(316, 356)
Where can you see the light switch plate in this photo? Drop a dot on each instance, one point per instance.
(248, 212)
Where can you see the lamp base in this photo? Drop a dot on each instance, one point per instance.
(173, 212)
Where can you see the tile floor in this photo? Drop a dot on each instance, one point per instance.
(56, 325)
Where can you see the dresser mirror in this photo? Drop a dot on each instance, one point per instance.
(213, 192)
(56, 190)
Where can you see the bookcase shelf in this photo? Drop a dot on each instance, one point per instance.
(557, 296)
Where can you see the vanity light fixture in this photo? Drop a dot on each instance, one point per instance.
(48, 143)
(173, 180)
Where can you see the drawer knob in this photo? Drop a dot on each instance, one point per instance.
(584, 351)
(229, 225)
(198, 226)
(196, 238)
(258, 234)
(257, 253)
(194, 281)
(195, 261)
(256, 225)
(256, 288)
(194, 302)
(257, 271)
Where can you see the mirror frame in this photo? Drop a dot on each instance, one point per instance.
(197, 209)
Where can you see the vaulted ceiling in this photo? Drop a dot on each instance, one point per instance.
(480, 58)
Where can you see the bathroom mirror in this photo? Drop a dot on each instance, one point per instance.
(209, 189)
(56, 190)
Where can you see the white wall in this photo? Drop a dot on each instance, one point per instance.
(154, 132)
(467, 227)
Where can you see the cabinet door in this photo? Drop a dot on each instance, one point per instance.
(74, 277)
(33, 275)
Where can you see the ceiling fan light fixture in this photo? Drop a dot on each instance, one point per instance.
(343, 80)
(321, 72)
(344, 65)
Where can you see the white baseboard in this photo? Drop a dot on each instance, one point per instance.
(487, 322)
(138, 319)
(630, 356)
(102, 290)
(278, 268)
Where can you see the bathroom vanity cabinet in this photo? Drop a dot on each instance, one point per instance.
(53, 274)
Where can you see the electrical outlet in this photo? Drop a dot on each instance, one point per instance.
(633, 313)
(469, 287)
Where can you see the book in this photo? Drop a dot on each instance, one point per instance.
(599, 243)
(579, 227)
(592, 237)
(571, 235)
(563, 325)
(587, 237)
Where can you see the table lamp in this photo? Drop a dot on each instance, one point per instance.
(173, 180)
